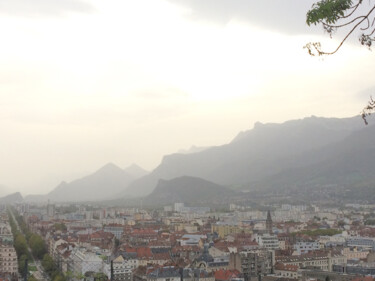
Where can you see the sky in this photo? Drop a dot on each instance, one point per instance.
(85, 83)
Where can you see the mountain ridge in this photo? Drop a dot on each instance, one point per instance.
(293, 154)
(252, 155)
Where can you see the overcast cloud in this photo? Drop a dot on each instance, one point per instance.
(87, 83)
(43, 8)
(288, 16)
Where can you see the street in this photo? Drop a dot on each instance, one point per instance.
(39, 274)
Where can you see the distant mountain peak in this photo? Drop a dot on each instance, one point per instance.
(109, 166)
(135, 171)
(133, 166)
(104, 183)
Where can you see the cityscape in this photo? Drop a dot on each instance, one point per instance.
(286, 242)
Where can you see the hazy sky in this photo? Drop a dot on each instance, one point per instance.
(84, 83)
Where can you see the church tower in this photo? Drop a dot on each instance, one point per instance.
(269, 223)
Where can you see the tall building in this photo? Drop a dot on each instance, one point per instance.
(269, 223)
(270, 242)
(178, 207)
(8, 257)
(50, 210)
(122, 268)
(253, 264)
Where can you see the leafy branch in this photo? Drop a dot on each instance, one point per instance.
(368, 110)
(336, 14)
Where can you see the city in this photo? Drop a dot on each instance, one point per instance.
(291, 242)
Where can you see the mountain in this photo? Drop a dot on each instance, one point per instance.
(299, 155)
(192, 149)
(255, 155)
(36, 198)
(135, 171)
(189, 190)
(12, 198)
(346, 163)
(104, 183)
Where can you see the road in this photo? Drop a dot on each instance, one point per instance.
(39, 274)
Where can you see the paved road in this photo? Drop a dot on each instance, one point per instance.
(40, 274)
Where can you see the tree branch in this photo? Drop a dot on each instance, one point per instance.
(317, 46)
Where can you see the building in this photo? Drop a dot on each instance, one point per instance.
(224, 229)
(303, 247)
(178, 207)
(323, 261)
(308, 275)
(355, 253)
(287, 271)
(356, 269)
(122, 269)
(253, 263)
(228, 275)
(361, 242)
(8, 260)
(6, 235)
(50, 210)
(173, 273)
(269, 223)
(196, 210)
(316, 261)
(191, 239)
(116, 229)
(270, 242)
(81, 261)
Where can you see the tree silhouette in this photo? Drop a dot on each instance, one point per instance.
(347, 15)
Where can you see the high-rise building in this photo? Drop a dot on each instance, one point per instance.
(178, 207)
(50, 210)
(253, 264)
(269, 223)
(8, 258)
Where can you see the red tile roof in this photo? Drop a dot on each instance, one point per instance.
(225, 275)
(286, 267)
(367, 278)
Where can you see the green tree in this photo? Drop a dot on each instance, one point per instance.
(351, 16)
(48, 264)
(21, 264)
(79, 276)
(60, 226)
(101, 276)
(59, 277)
(117, 243)
(20, 245)
(37, 246)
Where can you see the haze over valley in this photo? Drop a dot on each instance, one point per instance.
(305, 154)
